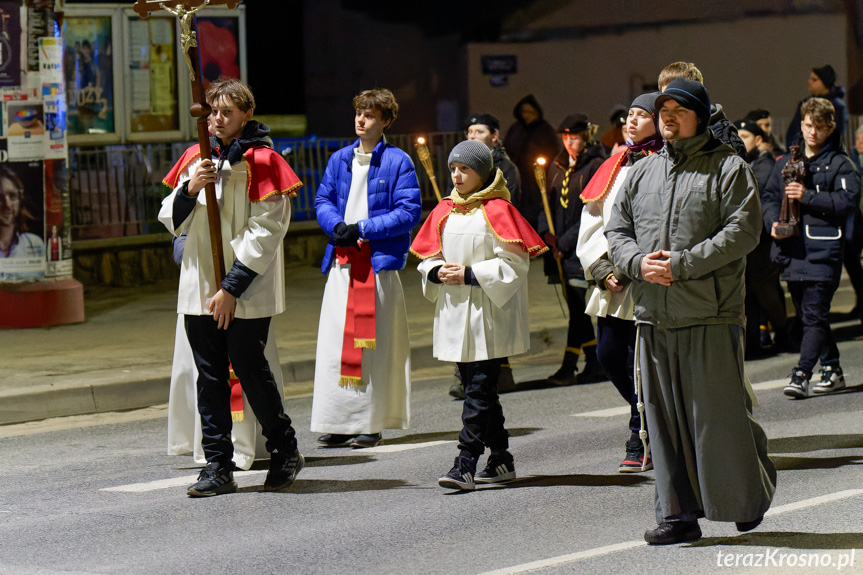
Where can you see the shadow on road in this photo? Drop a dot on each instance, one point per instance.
(449, 436)
(789, 539)
(539, 384)
(577, 480)
(784, 463)
(802, 443)
(334, 486)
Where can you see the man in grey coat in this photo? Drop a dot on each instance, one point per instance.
(681, 228)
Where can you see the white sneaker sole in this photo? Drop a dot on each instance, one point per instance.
(795, 392)
(502, 478)
(827, 388)
(451, 483)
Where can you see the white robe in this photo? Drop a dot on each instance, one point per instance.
(478, 323)
(184, 422)
(592, 245)
(383, 401)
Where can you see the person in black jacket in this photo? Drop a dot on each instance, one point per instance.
(812, 260)
(822, 84)
(765, 300)
(568, 175)
(529, 137)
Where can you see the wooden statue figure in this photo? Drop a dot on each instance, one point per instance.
(789, 213)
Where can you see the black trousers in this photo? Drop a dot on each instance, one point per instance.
(615, 351)
(812, 302)
(482, 415)
(242, 347)
(580, 329)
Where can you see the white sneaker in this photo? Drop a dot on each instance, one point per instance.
(798, 387)
(831, 380)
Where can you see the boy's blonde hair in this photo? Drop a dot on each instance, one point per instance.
(685, 70)
(235, 90)
(821, 111)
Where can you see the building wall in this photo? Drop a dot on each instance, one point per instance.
(747, 63)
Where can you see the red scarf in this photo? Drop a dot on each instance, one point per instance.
(359, 331)
(502, 218)
(267, 173)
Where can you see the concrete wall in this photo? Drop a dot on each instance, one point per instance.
(748, 63)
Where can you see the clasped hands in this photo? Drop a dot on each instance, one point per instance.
(451, 274)
(346, 235)
(656, 268)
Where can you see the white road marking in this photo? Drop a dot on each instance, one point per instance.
(610, 412)
(184, 481)
(626, 545)
(404, 446)
(772, 384)
(187, 480)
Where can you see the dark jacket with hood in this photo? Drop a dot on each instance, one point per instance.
(524, 143)
(567, 219)
(832, 186)
(837, 98)
(725, 131)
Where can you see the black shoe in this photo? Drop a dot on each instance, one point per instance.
(214, 479)
(366, 440)
(798, 385)
(283, 470)
(592, 372)
(461, 475)
(456, 390)
(563, 377)
(673, 532)
(744, 526)
(335, 440)
(498, 469)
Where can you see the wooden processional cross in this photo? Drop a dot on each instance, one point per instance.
(185, 12)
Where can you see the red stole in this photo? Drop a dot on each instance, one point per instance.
(504, 221)
(360, 312)
(600, 184)
(236, 395)
(267, 173)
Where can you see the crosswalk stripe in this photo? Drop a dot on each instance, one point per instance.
(626, 545)
(397, 447)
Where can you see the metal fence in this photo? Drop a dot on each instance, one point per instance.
(116, 191)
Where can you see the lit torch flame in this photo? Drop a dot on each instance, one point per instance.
(425, 160)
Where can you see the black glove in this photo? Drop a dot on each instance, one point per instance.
(346, 235)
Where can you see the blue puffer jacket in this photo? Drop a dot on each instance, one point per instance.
(394, 203)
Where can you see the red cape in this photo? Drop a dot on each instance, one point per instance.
(501, 217)
(601, 182)
(267, 173)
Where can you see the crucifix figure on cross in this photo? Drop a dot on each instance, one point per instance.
(187, 34)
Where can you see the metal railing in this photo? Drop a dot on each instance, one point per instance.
(116, 191)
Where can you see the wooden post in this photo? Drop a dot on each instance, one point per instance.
(185, 11)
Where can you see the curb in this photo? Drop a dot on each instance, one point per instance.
(124, 393)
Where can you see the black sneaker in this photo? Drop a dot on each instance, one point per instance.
(283, 470)
(798, 387)
(832, 380)
(461, 475)
(214, 479)
(498, 469)
(673, 532)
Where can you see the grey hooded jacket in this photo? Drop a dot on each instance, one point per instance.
(697, 199)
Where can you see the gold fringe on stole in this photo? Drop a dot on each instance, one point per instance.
(365, 343)
(575, 350)
(350, 382)
(237, 416)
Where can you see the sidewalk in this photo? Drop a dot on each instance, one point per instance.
(120, 358)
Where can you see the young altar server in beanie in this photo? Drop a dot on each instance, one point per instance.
(229, 322)
(476, 251)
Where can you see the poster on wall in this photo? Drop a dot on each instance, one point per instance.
(88, 65)
(10, 42)
(22, 221)
(51, 71)
(25, 129)
(218, 45)
(58, 228)
(152, 74)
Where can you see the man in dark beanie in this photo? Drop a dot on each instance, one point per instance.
(680, 229)
(822, 84)
(762, 117)
(485, 128)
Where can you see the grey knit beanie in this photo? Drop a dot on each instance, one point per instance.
(475, 155)
(646, 102)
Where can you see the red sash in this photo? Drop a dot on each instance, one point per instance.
(359, 314)
(236, 395)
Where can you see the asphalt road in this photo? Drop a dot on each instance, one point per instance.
(96, 494)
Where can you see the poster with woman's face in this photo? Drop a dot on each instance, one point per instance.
(22, 221)
(88, 66)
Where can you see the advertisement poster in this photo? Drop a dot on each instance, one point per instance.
(218, 45)
(58, 229)
(152, 73)
(88, 64)
(51, 71)
(22, 221)
(25, 129)
(10, 43)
